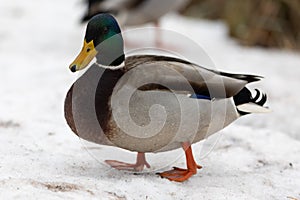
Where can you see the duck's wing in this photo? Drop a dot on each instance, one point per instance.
(149, 72)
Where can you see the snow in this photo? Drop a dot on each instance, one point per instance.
(257, 157)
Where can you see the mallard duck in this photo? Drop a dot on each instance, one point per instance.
(134, 12)
(194, 102)
(92, 9)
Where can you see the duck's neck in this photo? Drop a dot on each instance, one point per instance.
(111, 51)
(110, 60)
(118, 61)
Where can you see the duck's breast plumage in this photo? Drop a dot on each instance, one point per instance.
(86, 105)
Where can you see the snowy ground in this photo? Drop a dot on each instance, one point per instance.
(257, 157)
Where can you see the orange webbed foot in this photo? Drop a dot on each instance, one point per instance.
(126, 166)
(179, 174)
(138, 166)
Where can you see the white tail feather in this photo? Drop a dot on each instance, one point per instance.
(252, 108)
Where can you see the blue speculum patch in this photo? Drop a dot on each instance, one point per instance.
(200, 96)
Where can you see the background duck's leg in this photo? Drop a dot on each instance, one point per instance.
(161, 42)
(178, 174)
(158, 42)
(138, 166)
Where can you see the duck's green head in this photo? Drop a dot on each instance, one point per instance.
(102, 40)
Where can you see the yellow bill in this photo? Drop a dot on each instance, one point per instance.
(86, 55)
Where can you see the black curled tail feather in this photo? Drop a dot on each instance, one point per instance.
(263, 99)
(245, 96)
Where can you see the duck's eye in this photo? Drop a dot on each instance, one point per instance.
(105, 30)
(88, 50)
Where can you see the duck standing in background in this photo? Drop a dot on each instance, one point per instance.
(93, 7)
(94, 105)
(135, 12)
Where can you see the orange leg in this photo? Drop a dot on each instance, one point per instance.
(178, 174)
(138, 166)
